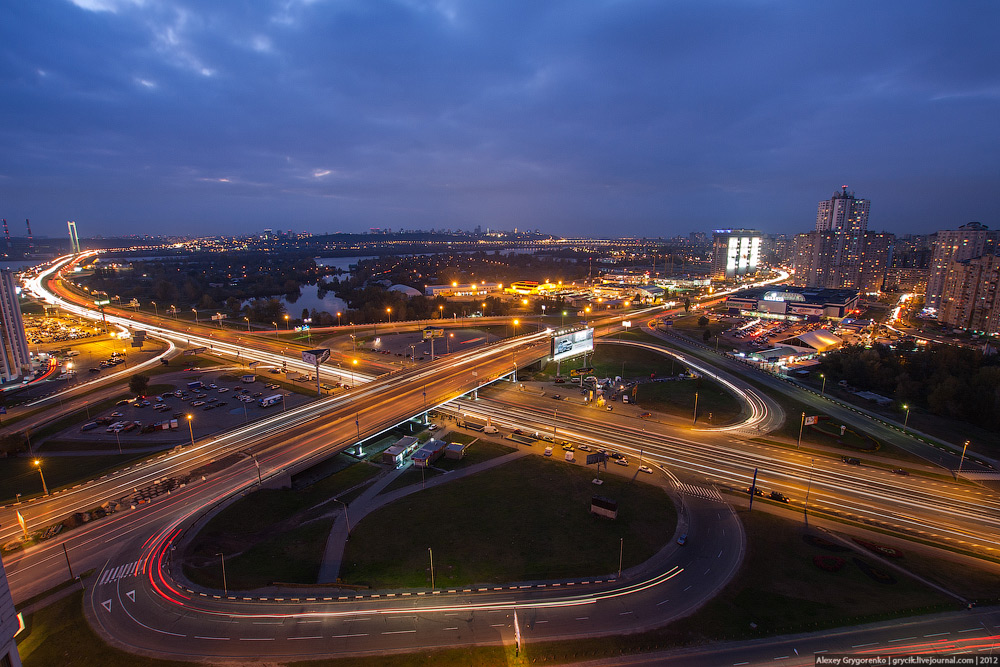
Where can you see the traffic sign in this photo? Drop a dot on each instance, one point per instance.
(316, 357)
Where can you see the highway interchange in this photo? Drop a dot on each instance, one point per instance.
(138, 604)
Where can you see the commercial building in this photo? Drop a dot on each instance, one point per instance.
(470, 289)
(956, 245)
(429, 453)
(843, 212)
(789, 301)
(14, 356)
(735, 253)
(969, 296)
(397, 453)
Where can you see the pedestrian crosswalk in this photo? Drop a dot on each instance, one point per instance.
(706, 492)
(114, 573)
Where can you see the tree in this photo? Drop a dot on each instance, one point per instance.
(687, 305)
(138, 384)
(702, 321)
(706, 335)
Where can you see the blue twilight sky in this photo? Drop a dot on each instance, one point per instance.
(577, 117)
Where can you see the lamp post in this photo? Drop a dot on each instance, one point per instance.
(195, 311)
(907, 418)
(448, 343)
(45, 489)
(225, 586)
(190, 429)
(805, 509)
(354, 362)
(275, 330)
(389, 313)
(694, 419)
(431, 554)
(346, 515)
(156, 312)
(822, 391)
(248, 323)
(801, 424)
(286, 321)
(960, 461)
(338, 318)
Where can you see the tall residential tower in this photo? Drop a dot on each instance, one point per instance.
(14, 355)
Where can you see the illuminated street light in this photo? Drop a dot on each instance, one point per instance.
(248, 323)
(275, 329)
(45, 489)
(907, 418)
(190, 429)
(960, 461)
(823, 390)
(338, 318)
(389, 313)
(354, 362)
(155, 311)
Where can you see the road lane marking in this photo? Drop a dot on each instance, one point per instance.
(221, 639)
(970, 630)
(687, 589)
(902, 639)
(361, 634)
(256, 639)
(583, 618)
(398, 632)
(868, 644)
(720, 554)
(305, 637)
(938, 634)
(497, 625)
(660, 603)
(451, 628)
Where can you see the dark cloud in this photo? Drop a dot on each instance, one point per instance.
(613, 117)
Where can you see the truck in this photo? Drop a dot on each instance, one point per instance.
(198, 384)
(270, 400)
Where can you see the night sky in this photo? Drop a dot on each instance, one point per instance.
(586, 117)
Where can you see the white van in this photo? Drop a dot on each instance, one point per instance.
(492, 430)
(548, 451)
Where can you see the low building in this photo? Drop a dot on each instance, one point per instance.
(466, 289)
(397, 453)
(455, 450)
(793, 302)
(429, 453)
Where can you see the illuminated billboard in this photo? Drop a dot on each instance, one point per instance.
(571, 344)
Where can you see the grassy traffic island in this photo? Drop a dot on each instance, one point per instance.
(527, 519)
(672, 392)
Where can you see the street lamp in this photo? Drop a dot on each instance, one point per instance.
(225, 587)
(960, 461)
(448, 343)
(195, 311)
(275, 329)
(338, 318)
(695, 416)
(441, 312)
(346, 515)
(431, 553)
(248, 323)
(45, 489)
(286, 320)
(823, 390)
(389, 313)
(156, 312)
(190, 430)
(354, 362)
(907, 418)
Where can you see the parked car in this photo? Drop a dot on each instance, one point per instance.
(621, 462)
(646, 469)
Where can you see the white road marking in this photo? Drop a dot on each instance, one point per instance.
(901, 639)
(664, 602)
(868, 644)
(398, 632)
(305, 637)
(938, 634)
(221, 639)
(362, 634)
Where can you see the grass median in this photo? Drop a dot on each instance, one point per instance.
(527, 519)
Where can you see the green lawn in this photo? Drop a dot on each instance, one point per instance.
(612, 360)
(677, 397)
(528, 519)
(60, 635)
(272, 534)
(479, 451)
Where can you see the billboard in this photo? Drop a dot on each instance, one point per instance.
(433, 332)
(316, 357)
(571, 344)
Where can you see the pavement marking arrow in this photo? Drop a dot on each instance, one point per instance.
(107, 605)
(131, 595)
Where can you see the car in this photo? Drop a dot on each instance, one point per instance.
(221, 404)
(615, 455)
(777, 495)
(850, 460)
(609, 407)
(213, 386)
(222, 390)
(124, 401)
(645, 415)
(621, 462)
(131, 426)
(560, 380)
(682, 540)
(548, 451)
(195, 404)
(646, 469)
(273, 370)
(258, 394)
(94, 370)
(142, 404)
(432, 427)
(557, 397)
(900, 471)
(160, 406)
(116, 415)
(756, 491)
(584, 448)
(89, 426)
(208, 406)
(568, 448)
(274, 386)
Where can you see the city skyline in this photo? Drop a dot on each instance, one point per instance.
(645, 120)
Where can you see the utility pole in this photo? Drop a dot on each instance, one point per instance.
(801, 424)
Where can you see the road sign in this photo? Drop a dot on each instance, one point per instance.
(102, 302)
(195, 350)
(218, 317)
(596, 457)
(316, 357)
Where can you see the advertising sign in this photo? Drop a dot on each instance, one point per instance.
(316, 357)
(572, 344)
(433, 332)
(581, 372)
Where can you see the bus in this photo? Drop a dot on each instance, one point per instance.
(270, 400)
(578, 372)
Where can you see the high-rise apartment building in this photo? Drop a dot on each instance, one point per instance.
(955, 245)
(843, 212)
(969, 296)
(14, 355)
(9, 624)
(841, 252)
(735, 253)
